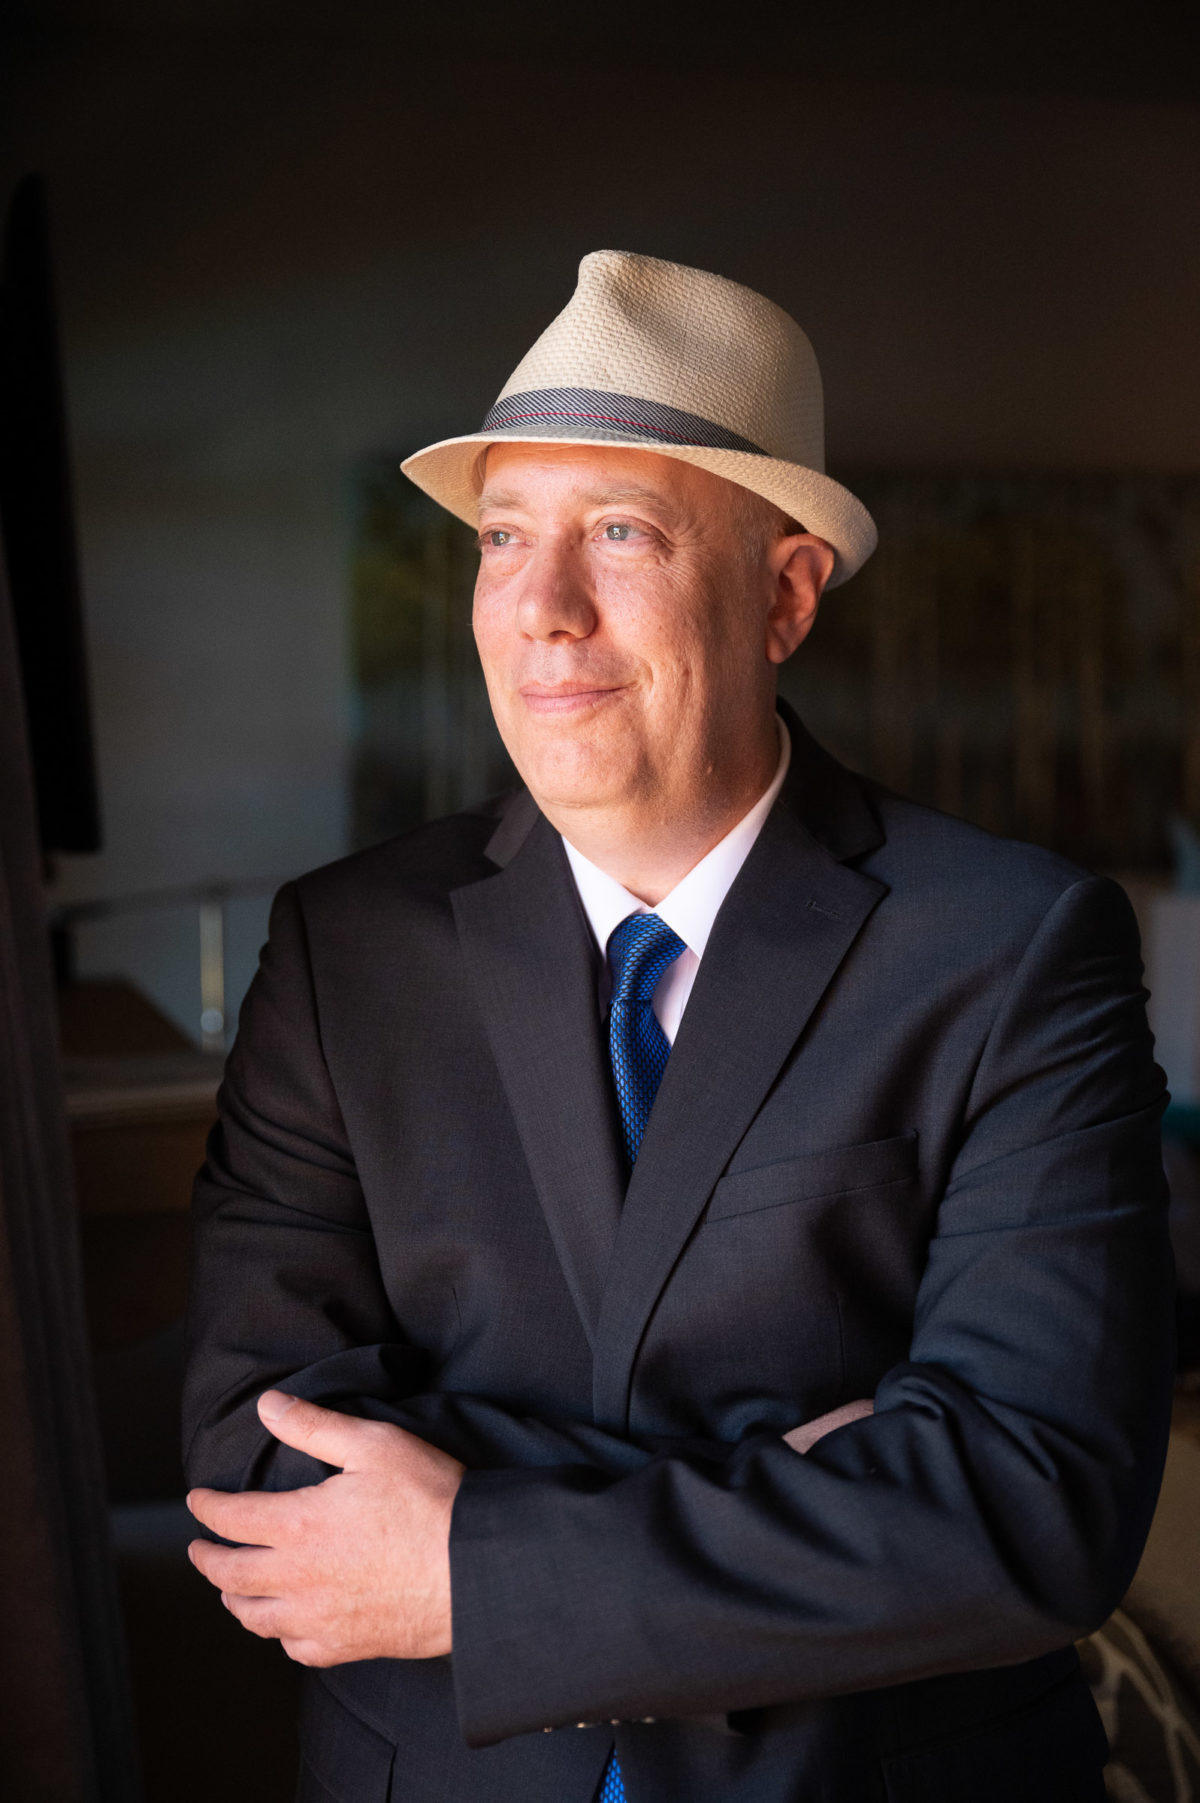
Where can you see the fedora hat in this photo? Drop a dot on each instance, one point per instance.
(665, 358)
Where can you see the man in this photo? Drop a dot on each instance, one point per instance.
(704, 1211)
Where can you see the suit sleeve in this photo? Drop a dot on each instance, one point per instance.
(995, 1505)
(286, 1287)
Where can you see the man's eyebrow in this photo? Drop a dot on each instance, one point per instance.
(629, 491)
(597, 497)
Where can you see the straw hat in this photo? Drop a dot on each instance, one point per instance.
(669, 359)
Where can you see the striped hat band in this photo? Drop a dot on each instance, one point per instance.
(622, 412)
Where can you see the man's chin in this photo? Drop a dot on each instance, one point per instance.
(572, 769)
(560, 800)
(568, 785)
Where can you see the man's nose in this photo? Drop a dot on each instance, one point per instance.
(556, 599)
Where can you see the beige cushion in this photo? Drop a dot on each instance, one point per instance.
(1164, 1598)
(1152, 1729)
(1143, 1665)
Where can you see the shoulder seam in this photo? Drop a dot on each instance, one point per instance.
(1084, 881)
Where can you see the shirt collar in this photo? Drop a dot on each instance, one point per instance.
(693, 904)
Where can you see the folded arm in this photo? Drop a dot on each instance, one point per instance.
(992, 1508)
(286, 1287)
(995, 1504)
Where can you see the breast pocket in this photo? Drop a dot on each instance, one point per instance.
(814, 1176)
(794, 1295)
(846, 1228)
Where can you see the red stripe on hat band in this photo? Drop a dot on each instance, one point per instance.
(624, 412)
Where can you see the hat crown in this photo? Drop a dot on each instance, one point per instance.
(688, 340)
(689, 365)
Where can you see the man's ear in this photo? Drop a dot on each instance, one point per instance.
(800, 566)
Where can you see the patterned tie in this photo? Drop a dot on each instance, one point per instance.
(639, 951)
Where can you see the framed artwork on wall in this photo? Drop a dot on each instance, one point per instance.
(1022, 650)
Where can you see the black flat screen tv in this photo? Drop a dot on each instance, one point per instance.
(37, 532)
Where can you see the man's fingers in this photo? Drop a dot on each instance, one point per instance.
(308, 1652)
(247, 1570)
(802, 1438)
(336, 1439)
(266, 1616)
(255, 1517)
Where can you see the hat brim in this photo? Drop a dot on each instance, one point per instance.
(450, 473)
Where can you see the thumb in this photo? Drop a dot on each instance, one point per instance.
(805, 1437)
(323, 1433)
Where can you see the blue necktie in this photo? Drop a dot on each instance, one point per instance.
(639, 951)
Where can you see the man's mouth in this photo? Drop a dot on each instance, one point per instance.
(566, 697)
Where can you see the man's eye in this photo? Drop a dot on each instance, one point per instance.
(497, 538)
(617, 530)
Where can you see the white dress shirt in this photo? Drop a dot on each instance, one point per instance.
(691, 907)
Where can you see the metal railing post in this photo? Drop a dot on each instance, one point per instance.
(212, 972)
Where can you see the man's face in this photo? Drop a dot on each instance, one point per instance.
(624, 630)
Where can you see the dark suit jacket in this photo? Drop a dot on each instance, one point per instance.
(906, 1146)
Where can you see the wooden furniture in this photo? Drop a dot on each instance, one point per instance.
(140, 1102)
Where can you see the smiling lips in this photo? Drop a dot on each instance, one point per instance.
(565, 697)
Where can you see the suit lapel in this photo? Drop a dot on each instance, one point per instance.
(530, 955)
(786, 924)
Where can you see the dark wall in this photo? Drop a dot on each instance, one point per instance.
(280, 252)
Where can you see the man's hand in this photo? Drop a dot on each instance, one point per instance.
(805, 1437)
(357, 1567)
